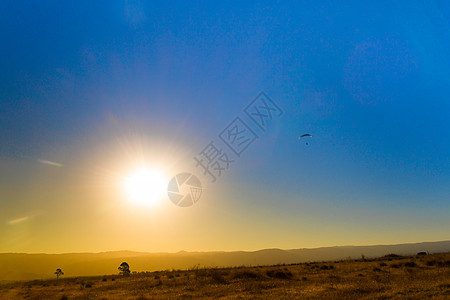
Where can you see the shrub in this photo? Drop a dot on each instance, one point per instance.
(410, 264)
(246, 274)
(279, 274)
(383, 264)
(444, 263)
(217, 277)
(431, 263)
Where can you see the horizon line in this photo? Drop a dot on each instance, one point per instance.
(223, 251)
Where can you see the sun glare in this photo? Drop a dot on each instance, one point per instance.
(145, 186)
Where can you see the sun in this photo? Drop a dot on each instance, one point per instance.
(145, 186)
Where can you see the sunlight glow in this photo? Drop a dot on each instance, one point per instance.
(145, 186)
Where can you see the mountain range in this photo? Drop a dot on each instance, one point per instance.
(23, 266)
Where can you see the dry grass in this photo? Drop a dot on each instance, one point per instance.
(389, 277)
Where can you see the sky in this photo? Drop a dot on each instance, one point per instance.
(90, 92)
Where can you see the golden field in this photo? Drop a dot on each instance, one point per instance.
(387, 277)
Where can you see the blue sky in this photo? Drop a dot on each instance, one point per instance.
(369, 81)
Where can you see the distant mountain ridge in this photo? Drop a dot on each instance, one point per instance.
(21, 266)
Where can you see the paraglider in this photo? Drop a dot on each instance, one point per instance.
(305, 135)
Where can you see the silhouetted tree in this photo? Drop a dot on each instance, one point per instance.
(58, 273)
(124, 269)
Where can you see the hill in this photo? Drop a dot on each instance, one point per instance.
(20, 266)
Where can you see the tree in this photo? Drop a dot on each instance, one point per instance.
(58, 273)
(124, 269)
